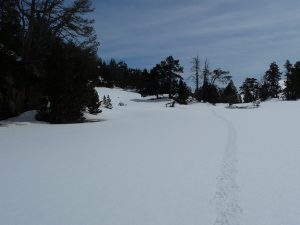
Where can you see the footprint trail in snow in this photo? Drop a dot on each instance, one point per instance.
(226, 196)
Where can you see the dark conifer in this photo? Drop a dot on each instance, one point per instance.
(183, 92)
(272, 78)
(170, 71)
(288, 91)
(230, 94)
(249, 89)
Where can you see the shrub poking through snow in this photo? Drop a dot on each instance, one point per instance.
(106, 102)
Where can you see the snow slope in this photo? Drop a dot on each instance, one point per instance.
(147, 164)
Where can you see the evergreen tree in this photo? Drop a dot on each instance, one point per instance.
(152, 84)
(104, 102)
(12, 76)
(106, 79)
(210, 93)
(230, 94)
(249, 89)
(69, 84)
(170, 71)
(108, 103)
(295, 81)
(288, 91)
(263, 90)
(183, 92)
(272, 78)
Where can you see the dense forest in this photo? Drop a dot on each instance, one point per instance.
(49, 63)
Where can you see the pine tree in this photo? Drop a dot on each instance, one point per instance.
(108, 103)
(104, 101)
(295, 81)
(263, 90)
(249, 89)
(69, 84)
(288, 91)
(272, 78)
(183, 92)
(210, 93)
(170, 71)
(230, 94)
(12, 75)
(152, 84)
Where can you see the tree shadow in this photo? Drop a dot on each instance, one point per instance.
(151, 100)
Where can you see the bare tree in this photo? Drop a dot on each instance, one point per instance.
(220, 75)
(56, 19)
(206, 72)
(196, 71)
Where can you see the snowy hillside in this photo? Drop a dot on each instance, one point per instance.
(145, 164)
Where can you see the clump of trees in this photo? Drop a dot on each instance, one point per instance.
(106, 102)
(210, 90)
(269, 86)
(118, 74)
(212, 86)
(48, 59)
(163, 78)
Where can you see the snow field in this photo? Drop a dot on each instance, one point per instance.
(147, 164)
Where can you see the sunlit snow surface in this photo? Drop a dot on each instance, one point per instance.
(145, 164)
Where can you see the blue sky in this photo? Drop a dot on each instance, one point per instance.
(241, 36)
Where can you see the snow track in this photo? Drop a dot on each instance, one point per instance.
(226, 197)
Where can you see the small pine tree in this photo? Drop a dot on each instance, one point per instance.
(104, 101)
(108, 103)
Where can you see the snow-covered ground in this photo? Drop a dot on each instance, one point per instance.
(145, 164)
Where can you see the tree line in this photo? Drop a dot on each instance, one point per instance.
(212, 86)
(270, 87)
(166, 78)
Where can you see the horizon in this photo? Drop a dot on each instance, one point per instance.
(241, 37)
